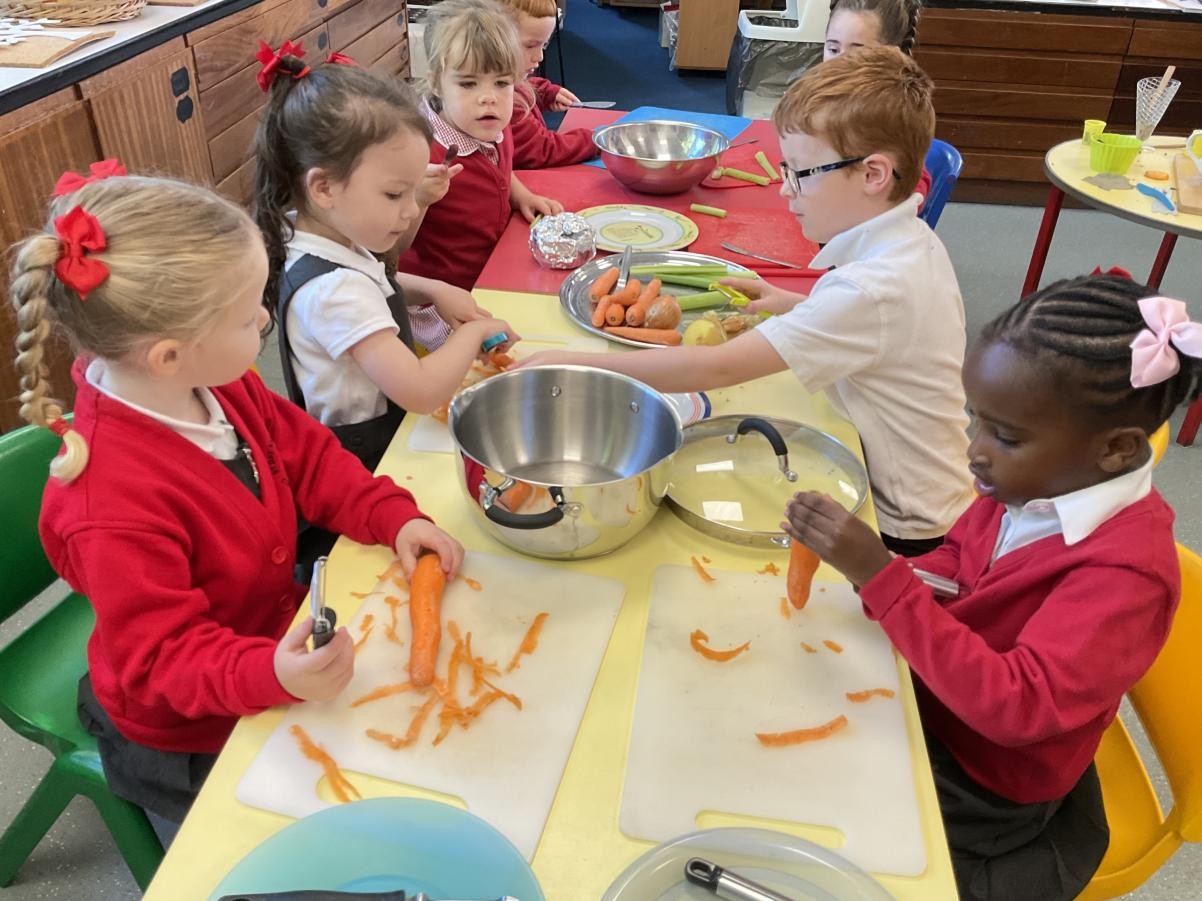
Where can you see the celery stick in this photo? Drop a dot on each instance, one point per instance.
(766, 166)
(747, 176)
(702, 301)
(692, 281)
(710, 210)
(658, 270)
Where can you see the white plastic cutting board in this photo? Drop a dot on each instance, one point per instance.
(431, 436)
(693, 747)
(507, 766)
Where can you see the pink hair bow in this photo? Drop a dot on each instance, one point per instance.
(73, 181)
(1154, 350)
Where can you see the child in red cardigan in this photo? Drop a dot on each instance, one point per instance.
(534, 145)
(475, 61)
(1067, 570)
(174, 507)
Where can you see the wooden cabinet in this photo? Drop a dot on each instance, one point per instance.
(706, 32)
(47, 137)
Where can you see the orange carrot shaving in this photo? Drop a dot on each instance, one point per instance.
(457, 655)
(339, 784)
(833, 645)
(859, 697)
(797, 736)
(770, 569)
(394, 568)
(511, 698)
(480, 666)
(360, 595)
(473, 584)
(784, 608)
(367, 622)
(529, 642)
(362, 638)
(384, 691)
(412, 733)
(702, 571)
(699, 640)
(809, 649)
(394, 604)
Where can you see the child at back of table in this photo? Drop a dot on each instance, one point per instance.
(883, 332)
(174, 506)
(341, 165)
(534, 145)
(1067, 571)
(870, 23)
(475, 61)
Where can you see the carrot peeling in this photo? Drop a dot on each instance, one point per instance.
(529, 642)
(809, 648)
(785, 612)
(859, 697)
(360, 595)
(362, 638)
(770, 569)
(702, 571)
(394, 568)
(394, 604)
(339, 784)
(473, 584)
(384, 691)
(700, 641)
(797, 736)
(412, 733)
(833, 645)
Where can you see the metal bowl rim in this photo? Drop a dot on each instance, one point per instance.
(723, 140)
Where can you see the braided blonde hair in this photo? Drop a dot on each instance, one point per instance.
(169, 249)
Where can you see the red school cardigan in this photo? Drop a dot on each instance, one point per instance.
(459, 232)
(537, 147)
(189, 573)
(1021, 674)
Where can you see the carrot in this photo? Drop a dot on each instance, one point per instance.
(603, 284)
(649, 335)
(529, 642)
(442, 414)
(340, 785)
(664, 313)
(616, 314)
(702, 571)
(784, 608)
(636, 313)
(809, 649)
(859, 697)
(384, 691)
(516, 495)
(797, 736)
(833, 645)
(601, 309)
(425, 601)
(630, 293)
(699, 640)
(412, 733)
(500, 360)
(802, 563)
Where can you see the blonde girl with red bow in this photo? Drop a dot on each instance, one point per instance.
(174, 505)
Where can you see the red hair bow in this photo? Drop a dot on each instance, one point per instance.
(272, 59)
(79, 233)
(341, 59)
(69, 181)
(1113, 270)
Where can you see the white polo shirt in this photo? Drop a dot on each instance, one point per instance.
(883, 335)
(326, 318)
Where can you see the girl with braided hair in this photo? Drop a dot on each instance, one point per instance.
(1067, 571)
(174, 506)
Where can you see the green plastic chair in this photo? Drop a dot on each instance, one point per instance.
(40, 671)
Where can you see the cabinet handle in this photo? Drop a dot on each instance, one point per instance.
(184, 109)
(180, 81)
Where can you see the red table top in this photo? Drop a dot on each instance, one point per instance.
(757, 217)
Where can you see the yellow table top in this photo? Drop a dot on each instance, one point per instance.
(1067, 167)
(581, 850)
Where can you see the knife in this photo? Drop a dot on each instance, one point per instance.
(593, 104)
(623, 269)
(323, 617)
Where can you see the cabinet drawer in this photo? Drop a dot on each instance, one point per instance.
(232, 147)
(237, 186)
(373, 45)
(226, 53)
(395, 61)
(352, 23)
(1170, 42)
(1020, 67)
(1005, 134)
(1020, 101)
(1004, 166)
(1023, 31)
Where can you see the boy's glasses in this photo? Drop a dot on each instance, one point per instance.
(793, 177)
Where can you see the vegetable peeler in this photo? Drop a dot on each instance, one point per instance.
(1158, 195)
(623, 269)
(726, 884)
(323, 617)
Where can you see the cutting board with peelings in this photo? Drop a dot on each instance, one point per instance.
(507, 766)
(1188, 180)
(693, 748)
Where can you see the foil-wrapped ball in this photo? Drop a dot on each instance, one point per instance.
(562, 241)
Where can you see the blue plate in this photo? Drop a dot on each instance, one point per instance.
(387, 844)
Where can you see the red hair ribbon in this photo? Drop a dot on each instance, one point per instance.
(272, 59)
(69, 181)
(1113, 270)
(341, 59)
(79, 234)
(60, 427)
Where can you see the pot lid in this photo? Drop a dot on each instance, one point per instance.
(733, 476)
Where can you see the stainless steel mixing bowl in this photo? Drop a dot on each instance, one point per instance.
(659, 156)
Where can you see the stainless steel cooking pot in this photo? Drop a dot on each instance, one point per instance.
(595, 448)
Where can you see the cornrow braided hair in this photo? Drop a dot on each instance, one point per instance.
(1082, 329)
(898, 18)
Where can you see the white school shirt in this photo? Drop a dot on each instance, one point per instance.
(326, 318)
(883, 335)
(1074, 515)
(216, 437)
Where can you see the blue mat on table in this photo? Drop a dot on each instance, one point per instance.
(730, 126)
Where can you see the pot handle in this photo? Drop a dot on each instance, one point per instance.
(765, 428)
(502, 517)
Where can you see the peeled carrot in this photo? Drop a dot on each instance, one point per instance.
(425, 603)
(700, 641)
(601, 309)
(797, 736)
(802, 564)
(649, 335)
(603, 284)
(636, 313)
(859, 697)
(630, 293)
(616, 314)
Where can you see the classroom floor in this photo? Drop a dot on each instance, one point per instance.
(989, 245)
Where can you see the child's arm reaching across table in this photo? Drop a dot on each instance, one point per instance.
(530, 204)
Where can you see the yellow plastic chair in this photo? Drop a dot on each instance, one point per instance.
(1168, 701)
(1160, 443)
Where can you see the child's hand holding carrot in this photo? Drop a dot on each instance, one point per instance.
(420, 534)
(435, 183)
(836, 536)
(765, 298)
(314, 675)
